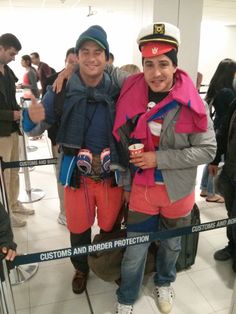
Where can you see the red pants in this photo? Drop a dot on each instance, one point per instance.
(154, 200)
(92, 198)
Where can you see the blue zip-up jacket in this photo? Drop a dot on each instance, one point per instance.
(71, 131)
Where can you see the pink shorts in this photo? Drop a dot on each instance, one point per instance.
(91, 199)
(155, 200)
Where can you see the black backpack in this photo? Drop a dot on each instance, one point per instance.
(58, 110)
(53, 71)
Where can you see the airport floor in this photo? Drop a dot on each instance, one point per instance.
(205, 288)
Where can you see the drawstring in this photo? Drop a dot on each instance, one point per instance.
(86, 195)
(146, 195)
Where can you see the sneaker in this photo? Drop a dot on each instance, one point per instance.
(20, 209)
(17, 222)
(124, 308)
(164, 297)
(62, 219)
(223, 254)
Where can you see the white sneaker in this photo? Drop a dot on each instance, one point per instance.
(62, 219)
(164, 297)
(124, 308)
(17, 222)
(20, 209)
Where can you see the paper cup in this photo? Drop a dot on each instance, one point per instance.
(136, 149)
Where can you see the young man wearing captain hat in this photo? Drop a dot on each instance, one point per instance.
(172, 123)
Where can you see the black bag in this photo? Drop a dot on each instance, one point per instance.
(107, 264)
(189, 244)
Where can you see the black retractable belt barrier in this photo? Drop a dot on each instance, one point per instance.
(28, 163)
(120, 243)
(102, 246)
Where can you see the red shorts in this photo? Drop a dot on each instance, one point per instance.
(155, 200)
(82, 204)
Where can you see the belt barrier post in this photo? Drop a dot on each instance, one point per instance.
(24, 104)
(7, 303)
(30, 195)
(233, 300)
(21, 273)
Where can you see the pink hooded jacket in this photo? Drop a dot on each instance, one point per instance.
(133, 101)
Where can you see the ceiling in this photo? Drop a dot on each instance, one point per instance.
(213, 10)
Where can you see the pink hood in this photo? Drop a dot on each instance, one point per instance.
(133, 100)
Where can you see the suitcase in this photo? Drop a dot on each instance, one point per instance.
(189, 244)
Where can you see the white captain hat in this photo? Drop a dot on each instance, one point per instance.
(158, 38)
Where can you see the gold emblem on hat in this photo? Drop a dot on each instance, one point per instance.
(159, 29)
(154, 50)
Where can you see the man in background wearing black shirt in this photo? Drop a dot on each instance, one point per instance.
(10, 115)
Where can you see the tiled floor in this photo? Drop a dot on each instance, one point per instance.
(206, 288)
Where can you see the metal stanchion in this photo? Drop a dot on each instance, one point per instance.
(23, 273)
(29, 148)
(21, 170)
(233, 300)
(18, 274)
(29, 195)
(3, 308)
(7, 304)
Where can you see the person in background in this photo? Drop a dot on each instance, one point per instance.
(30, 77)
(130, 68)
(90, 153)
(111, 58)
(43, 70)
(219, 96)
(7, 245)
(161, 109)
(70, 60)
(226, 146)
(199, 81)
(10, 115)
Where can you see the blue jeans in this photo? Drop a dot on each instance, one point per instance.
(133, 263)
(207, 182)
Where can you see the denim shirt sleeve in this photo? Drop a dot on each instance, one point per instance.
(48, 102)
(27, 123)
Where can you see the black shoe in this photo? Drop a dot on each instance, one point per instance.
(79, 282)
(223, 254)
(234, 266)
(118, 281)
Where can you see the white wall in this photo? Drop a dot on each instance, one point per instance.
(51, 32)
(217, 42)
(179, 12)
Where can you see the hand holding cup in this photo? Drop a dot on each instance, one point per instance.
(141, 159)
